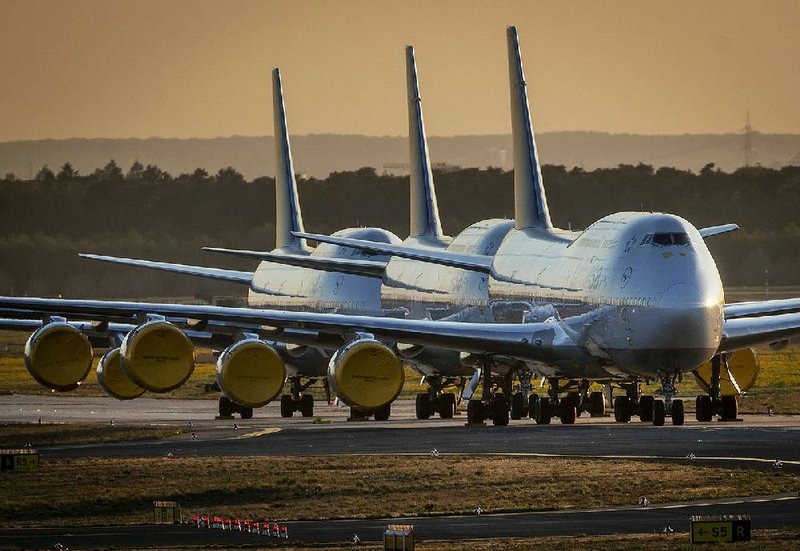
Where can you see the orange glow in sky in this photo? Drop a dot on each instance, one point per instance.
(86, 68)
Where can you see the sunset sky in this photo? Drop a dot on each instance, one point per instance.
(109, 68)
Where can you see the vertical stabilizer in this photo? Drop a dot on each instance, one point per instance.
(424, 222)
(530, 202)
(287, 206)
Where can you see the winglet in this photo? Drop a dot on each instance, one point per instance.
(711, 231)
(530, 202)
(424, 220)
(287, 206)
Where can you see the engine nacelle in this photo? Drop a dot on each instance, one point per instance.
(157, 356)
(366, 375)
(251, 373)
(743, 365)
(58, 356)
(112, 377)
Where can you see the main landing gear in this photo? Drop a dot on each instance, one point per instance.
(494, 402)
(381, 414)
(298, 400)
(648, 408)
(567, 408)
(436, 400)
(228, 407)
(727, 407)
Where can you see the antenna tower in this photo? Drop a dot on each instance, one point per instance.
(748, 141)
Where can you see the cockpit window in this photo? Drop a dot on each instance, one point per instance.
(664, 239)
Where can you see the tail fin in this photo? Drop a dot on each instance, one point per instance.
(287, 206)
(530, 202)
(424, 220)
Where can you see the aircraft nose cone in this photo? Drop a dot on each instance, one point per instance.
(689, 320)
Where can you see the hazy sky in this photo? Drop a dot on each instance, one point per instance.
(111, 68)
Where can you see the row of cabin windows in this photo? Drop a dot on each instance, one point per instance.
(665, 239)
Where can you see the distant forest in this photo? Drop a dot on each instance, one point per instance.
(143, 212)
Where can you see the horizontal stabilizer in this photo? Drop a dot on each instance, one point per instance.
(211, 273)
(474, 262)
(711, 231)
(367, 268)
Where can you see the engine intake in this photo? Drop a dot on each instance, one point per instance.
(366, 375)
(251, 373)
(58, 356)
(157, 356)
(112, 377)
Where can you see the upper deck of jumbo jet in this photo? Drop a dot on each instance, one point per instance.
(634, 254)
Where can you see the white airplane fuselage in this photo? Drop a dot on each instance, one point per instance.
(637, 294)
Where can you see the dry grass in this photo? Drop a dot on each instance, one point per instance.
(768, 540)
(13, 435)
(109, 491)
(777, 540)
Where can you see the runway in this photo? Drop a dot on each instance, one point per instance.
(756, 441)
(767, 512)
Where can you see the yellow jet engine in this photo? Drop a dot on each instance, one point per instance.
(366, 375)
(157, 356)
(58, 356)
(251, 373)
(112, 377)
(743, 366)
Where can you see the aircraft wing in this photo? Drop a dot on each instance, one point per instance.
(711, 231)
(353, 266)
(466, 261)
(526, 341)
(761, 308)
(747, 332)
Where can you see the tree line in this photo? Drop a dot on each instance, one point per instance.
(144, 212)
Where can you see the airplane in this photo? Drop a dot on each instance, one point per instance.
(416, 289)
(440, 367)
(275, 283)
(635, 296)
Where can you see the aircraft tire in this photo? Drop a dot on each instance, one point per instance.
(730, 408)
(533, 405)
(677, 413)
(646, 408)
(423, 406)
(622, 409)
(383, 413)
(659, 413)
(447, 405)
(225, 407)
(568, 411)
(500, 411)
(544, 412)
(474, 412)
(517, 405)
(287, 405)
(597, 404)
(307, 405)
(246, 413)
(703, 408)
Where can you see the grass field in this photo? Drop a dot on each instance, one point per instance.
(14, 435)
(767, 540)
(110, 491)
